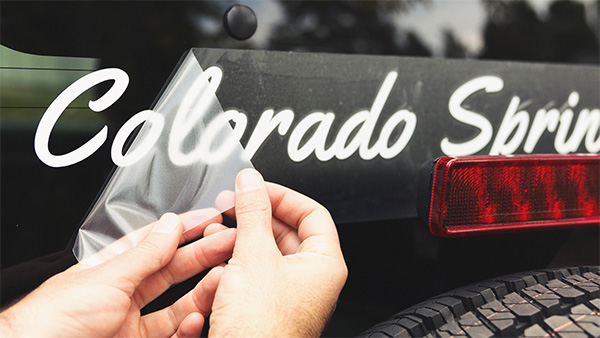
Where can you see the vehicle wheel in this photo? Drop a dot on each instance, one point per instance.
(543, 303)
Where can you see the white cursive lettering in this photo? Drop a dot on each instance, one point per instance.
(62, 101)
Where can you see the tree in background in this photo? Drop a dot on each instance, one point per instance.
(453, 48)
(365, 27)
(514, 31)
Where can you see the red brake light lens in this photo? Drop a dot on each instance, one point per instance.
(490, 194)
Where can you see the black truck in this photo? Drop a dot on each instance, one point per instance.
(455, 143)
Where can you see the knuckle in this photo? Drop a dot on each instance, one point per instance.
(201, 257)
(340, 271)
(167, 276)
(150, 250)
(257, 206)
(343, 272)
(172, 317)
(323, 212)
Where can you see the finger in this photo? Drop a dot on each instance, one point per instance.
(194, 222)
(191, 326)
(316, 229)
(212, 229)
(165, 322)
(225, 200)
(153, 253)
(291, 209)
(253, 215)
(187, 262)
(286, 237)
(118, 246)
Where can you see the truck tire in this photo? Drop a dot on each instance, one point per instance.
(543, 303)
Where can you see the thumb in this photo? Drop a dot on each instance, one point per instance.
(253, 215)
(150, 255)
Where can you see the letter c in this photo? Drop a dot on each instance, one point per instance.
(62, 101)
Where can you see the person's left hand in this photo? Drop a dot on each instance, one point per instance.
(106, 300)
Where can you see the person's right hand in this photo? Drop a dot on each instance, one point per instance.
(287, 268)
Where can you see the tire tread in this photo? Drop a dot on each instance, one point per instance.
(547, 302)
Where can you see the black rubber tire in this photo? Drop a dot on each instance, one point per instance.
(544, 303)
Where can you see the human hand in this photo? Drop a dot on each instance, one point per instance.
(105, 300)
(287, 268)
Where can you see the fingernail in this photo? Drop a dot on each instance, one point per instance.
(167, 223)
(249, 179)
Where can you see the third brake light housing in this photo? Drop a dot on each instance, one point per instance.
(491, 194)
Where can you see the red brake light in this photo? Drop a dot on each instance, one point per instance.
(488, 194)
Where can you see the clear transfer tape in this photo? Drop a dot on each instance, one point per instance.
(184, 157)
